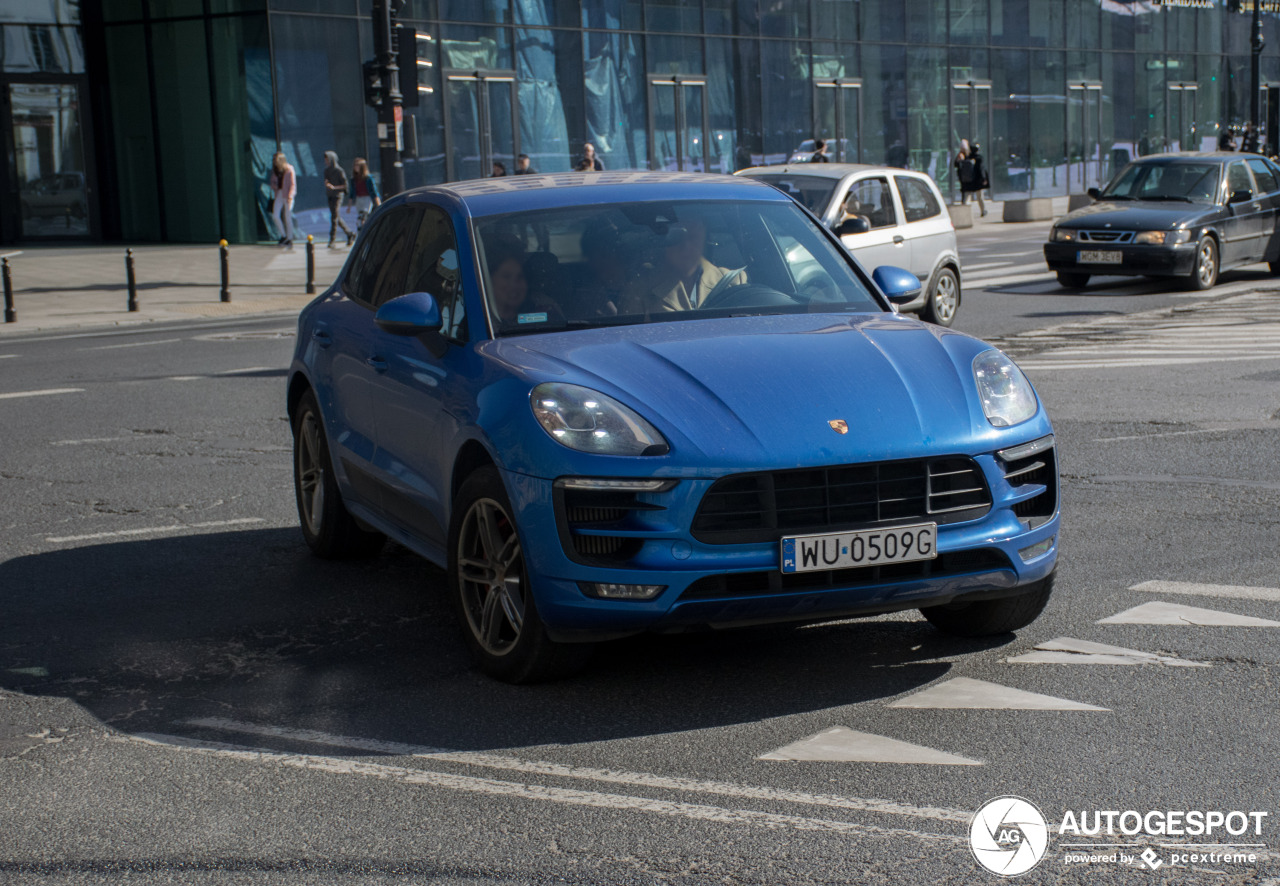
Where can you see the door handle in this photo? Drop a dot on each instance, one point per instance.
(323, 339)
(898, 239)
(377, 363)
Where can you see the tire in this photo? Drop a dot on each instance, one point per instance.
(1205, 272)
(986, 618)
(1072, 280)
(944, 299)
(330, 531)
(492, 593)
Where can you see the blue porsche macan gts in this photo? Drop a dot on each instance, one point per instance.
(614, 403)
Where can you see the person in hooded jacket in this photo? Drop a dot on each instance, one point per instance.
(335, 186)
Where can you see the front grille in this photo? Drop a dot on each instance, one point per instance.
(1040, 470)
(747, 508)
(1106, 236)
(746, 584)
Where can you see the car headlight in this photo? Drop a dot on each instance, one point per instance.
(1062, 235)
(1007, 398)
(589, 421)
(1162, 238)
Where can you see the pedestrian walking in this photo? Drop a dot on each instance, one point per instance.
(364, 191)
(335, 186)
(1249, 143)
(589, 162)
(523, 166)
(284, 187)
(1226, 140)
(971, 173)
(820, 151)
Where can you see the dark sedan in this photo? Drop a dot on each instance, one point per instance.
(1188, 216)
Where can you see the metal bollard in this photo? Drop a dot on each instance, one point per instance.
(133, 283)
(311, 265)
(10, 315)
(225, 293)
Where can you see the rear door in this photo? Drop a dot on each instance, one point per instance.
(927, 228)
(872, 198)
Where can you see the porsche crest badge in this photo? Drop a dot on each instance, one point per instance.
(839, 425)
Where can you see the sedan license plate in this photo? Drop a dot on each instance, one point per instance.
(866, 547)
(1099, 257)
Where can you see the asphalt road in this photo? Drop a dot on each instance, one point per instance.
(202, 701)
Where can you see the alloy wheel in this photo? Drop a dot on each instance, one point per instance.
(944, 299)
(491, 576)
(311, 473)
(1206, 262)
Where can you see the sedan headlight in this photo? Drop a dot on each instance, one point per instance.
(1007, 398)
(589, 421)
(1162, 238)
(1062, 235)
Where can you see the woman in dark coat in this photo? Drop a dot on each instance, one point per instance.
(973, 176)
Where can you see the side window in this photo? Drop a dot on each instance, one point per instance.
(433, 268)
(378, 274)
(871, 199)
(1238, 178)
(918, 202)
(1266, 178)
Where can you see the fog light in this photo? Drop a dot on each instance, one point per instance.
(1040, 547)
(611, 591)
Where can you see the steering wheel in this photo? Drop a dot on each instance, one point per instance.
(744, 295)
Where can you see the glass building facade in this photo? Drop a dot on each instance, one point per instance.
(155, 120)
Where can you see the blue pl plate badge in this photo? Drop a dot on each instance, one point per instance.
(532, 318)
(789, 555)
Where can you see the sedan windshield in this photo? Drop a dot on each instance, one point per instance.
(1186, 182)
(655, 262)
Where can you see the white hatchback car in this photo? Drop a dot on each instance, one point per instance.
(884, 216)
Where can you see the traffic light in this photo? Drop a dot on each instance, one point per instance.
(409, 63)
(373, 83)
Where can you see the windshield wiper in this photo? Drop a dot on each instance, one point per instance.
(1170, 197)
(1116, 197)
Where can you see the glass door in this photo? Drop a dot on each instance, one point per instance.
(971, 120)
(47, 134)
(838, 118)
(1088, 166)
(1180, 122)
(678, 140)
(481, 127)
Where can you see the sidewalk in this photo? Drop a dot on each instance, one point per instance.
(64, 287)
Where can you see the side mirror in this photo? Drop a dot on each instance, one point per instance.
(856, 225)
(899, 286)
(411, 314)
(1240, 197)
(1094, 193)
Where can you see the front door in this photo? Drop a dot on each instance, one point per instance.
(678, 130)
(51, 190)
(885, 244)
(837, 111)
(482, 129)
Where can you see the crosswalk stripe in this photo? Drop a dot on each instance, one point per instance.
(965, 693)
(1067, 650)
(1237, 592)
(842, 745)
(1159, 612)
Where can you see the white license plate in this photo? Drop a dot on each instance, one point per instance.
(1099, 257)
(866, 547)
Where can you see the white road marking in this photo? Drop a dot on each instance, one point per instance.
(1157, 436)
(841, 745)
(1161, 613)
(568, 796)
(248, 369)
(1235, 592)
(1066, 650)
(9, 356)
(138, 344)
(48, 392)
(185, 377)
(965, 270)
(88, 440)
(965, 693)
(609, 776)
(1008, 280)
(156, 530)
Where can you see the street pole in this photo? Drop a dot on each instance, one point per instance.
(391, 111)
(1256, 69)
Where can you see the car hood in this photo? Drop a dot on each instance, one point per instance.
(1146, 215)
(766, 389)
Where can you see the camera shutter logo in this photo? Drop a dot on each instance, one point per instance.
(1009, 836)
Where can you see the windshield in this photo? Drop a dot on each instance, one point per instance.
(634, 263)
(1189, 182)
(811, 191)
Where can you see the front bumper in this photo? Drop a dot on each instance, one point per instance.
(723, 585)
(1172, 261)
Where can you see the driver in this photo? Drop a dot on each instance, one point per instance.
(684, 278)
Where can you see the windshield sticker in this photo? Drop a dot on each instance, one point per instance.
(532, 318)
